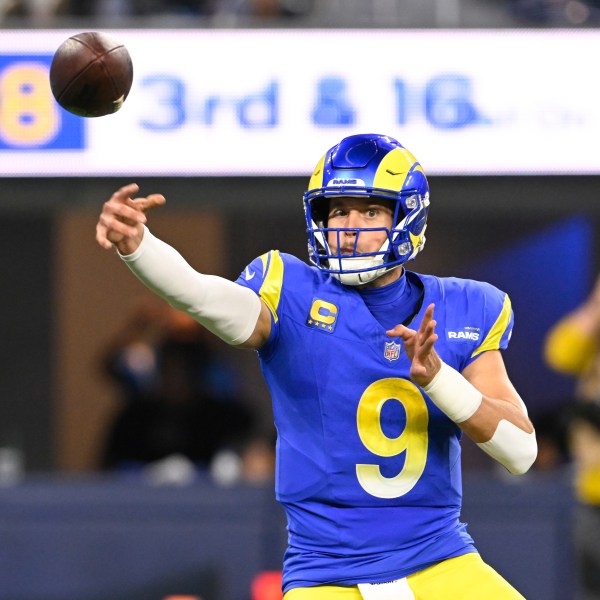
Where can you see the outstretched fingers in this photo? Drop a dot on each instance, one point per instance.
(102, 236)
(126, 192)
(420, 346)
(401, 331)
(149, 202)
(426, 343)
(122, 216)
(426, 336)
(426, 361)
(426, 320)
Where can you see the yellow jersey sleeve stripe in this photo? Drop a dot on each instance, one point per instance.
(492, 340)
(270, 290)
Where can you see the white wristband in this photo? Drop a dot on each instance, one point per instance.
(453, 394)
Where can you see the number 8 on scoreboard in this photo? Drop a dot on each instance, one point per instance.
(30, 118)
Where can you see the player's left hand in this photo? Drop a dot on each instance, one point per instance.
(420, 348)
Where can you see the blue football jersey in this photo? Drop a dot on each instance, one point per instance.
(368, 468)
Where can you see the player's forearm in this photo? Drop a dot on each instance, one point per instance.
(504, 432)
(499, 427)
(228, 310)
(482, 425)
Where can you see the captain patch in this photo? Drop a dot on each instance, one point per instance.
(323, 315)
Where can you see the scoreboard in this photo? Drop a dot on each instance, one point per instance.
(270, 102)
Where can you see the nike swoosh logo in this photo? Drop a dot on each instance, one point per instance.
(249, 274)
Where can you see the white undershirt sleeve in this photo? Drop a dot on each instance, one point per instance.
(225, 308)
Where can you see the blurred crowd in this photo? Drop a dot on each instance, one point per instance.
(562, 13)
(48, 10)
(537, 13)
(179, 410)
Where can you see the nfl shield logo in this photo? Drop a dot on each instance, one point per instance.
(391, 351)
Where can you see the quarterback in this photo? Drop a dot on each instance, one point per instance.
(375, 373)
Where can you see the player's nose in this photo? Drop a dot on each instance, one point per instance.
(353, 220)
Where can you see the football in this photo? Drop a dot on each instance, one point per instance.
(91, 74)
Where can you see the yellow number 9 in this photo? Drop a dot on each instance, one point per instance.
(28, 115)
(413, 441)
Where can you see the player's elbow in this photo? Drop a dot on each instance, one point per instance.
(512, 447)
(523, 457)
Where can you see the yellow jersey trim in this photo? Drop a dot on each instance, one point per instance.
(270, 290)
(492, 340)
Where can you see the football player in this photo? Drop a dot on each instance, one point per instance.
(572, 348)
(375, 372)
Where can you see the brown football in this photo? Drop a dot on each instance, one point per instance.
(91, 74)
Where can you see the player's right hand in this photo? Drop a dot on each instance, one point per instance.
(122, 219)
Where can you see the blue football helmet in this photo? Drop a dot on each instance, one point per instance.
(373, 166)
